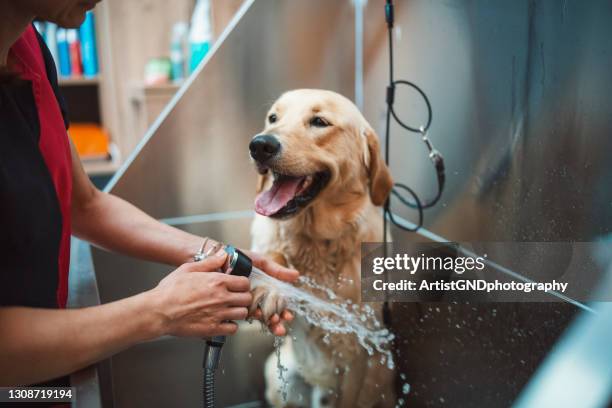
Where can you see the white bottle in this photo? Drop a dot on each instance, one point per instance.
(200, 34)
(51, 38)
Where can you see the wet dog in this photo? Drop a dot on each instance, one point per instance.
(321, 179)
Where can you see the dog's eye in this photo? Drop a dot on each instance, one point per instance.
(318, 121)
(272, 118)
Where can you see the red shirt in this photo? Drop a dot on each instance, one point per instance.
(53, 142)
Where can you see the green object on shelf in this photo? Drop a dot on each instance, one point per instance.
(157, 71)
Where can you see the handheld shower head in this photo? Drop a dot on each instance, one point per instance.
(237, 262)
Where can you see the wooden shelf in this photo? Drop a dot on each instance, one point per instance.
(165, 87)
(128, 35)
(79, 81)
(100, 168)
(139, 91)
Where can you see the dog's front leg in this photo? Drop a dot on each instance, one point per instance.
(267, 299)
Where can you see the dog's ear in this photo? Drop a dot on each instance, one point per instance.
(381, 181)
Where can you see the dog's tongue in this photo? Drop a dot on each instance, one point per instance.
(282, 191)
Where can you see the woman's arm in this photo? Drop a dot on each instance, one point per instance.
(40, 344)
(116, 225)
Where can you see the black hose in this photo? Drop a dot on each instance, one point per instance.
(435, 156)
(239, 265)
(210, 363)
(209, 388)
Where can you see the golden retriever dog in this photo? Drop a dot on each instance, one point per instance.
(321, 178)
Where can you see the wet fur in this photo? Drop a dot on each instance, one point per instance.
(323, 242)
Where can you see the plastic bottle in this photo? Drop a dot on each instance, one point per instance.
(51, 39)
(89, 53)
(177, 50)
(74, 48)
(200, 34)
(63, 52)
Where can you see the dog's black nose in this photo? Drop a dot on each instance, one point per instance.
(264, 147)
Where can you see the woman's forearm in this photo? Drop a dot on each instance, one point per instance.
(112, 223)
(41, 344)
(116, 225)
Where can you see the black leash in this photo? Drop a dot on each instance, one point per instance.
(435, 156)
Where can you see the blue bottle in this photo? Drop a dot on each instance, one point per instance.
(89, 53)
(63, 52)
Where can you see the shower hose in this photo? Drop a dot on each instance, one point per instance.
(209, 388)
(240, 265)
(212, 355)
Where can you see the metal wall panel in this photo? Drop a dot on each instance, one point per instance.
(522, 100)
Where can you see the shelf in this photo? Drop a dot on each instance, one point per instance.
(139, 91)
(100, 168)
(79, 81)
(165, 87)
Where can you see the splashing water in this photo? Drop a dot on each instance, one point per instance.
(278, 342)
(334, 316)
(405, 388)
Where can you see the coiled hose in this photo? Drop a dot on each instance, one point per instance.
(212, 355)
(240, 265)
(209, 388)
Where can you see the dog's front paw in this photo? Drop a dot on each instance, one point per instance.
(270, 302)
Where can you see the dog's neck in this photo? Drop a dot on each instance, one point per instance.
(323, 240)
(329, 221)
(315, 255)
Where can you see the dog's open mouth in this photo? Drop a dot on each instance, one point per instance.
(289, 194)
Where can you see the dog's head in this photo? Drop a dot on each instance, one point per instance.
(316, 149)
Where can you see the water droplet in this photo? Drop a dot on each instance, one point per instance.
(405, 388)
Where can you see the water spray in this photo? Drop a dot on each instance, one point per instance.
(341, 318)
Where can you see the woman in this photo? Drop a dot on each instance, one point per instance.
(45, 196)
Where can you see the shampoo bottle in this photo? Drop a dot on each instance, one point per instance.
(200, 34)
(89, 53)
(63, 51)
(51, 38)
(177, 50)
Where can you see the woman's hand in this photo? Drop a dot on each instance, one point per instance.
(277, 321)
(196, 304)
